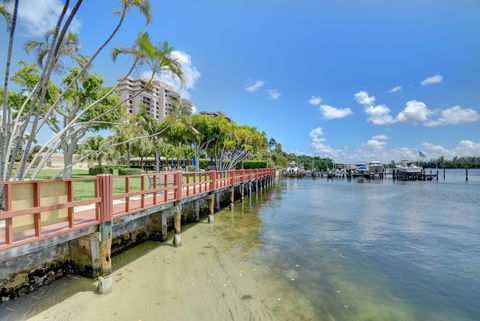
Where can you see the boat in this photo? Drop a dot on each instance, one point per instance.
(408, 167)
(408, 170)
(375, 168)
(361, 169)
(292, 170)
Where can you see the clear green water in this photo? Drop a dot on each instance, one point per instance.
(378, 250)
(352, 250)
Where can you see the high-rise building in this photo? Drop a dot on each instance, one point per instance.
(158, 99)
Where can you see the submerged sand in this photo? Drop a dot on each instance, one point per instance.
(209, 278)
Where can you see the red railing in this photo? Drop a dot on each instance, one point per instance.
(46, 208)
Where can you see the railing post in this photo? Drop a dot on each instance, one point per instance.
(8, 207)
(105, 188)
(142, 189)
(105, 185)
(213, 180)
(36, 203)
(71, 219)
(178, 185)
(155, 188)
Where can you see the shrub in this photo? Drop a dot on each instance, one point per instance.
(255, 164)
(100, 169)
(129, 171)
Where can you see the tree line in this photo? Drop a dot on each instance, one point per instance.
(455, 162)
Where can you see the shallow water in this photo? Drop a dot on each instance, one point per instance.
(306, 250)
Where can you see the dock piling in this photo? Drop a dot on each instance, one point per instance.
(232, 197)
(105, 185)
(211, 217)
(177, 239)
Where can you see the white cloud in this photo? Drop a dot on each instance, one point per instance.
(437, 79)
(194, 109)
(377, 141)
(255, 85)
(464, 148)
(364, 99)
(319, 145)
(455, 116)
(380, 137)
(415, 111)
(395, 89)
(330, 112)
(315, 101)
(274, 94)
(38, 17)
(379, 115)
(190, 74)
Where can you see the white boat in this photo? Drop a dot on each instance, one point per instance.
(408, 168)
(292, 169)
(375, 168)
(361, 169)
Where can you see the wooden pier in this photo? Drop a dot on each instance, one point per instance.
(47, 228)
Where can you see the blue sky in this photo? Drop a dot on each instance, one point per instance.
(293, 68)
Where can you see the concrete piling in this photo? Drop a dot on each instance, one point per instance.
(177, 239)
(232, 197)
(211, 217)
(197, 210)
(217, 201)
(105, 253)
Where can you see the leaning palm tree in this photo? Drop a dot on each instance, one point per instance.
(37, 96)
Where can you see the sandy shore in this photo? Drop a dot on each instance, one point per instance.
(208, 278)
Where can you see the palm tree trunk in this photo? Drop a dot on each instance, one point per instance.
(157, 161)
(6, 109)
(129, 154)
(197, 159)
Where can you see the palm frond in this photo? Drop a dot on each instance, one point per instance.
(30, 45)
(6, 15)
(144, 7)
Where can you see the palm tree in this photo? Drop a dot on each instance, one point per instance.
(159, 58)
(95, 148)
(272, 143)
(69, 47)
(142, 5)
(151, 128)
(123, 136)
